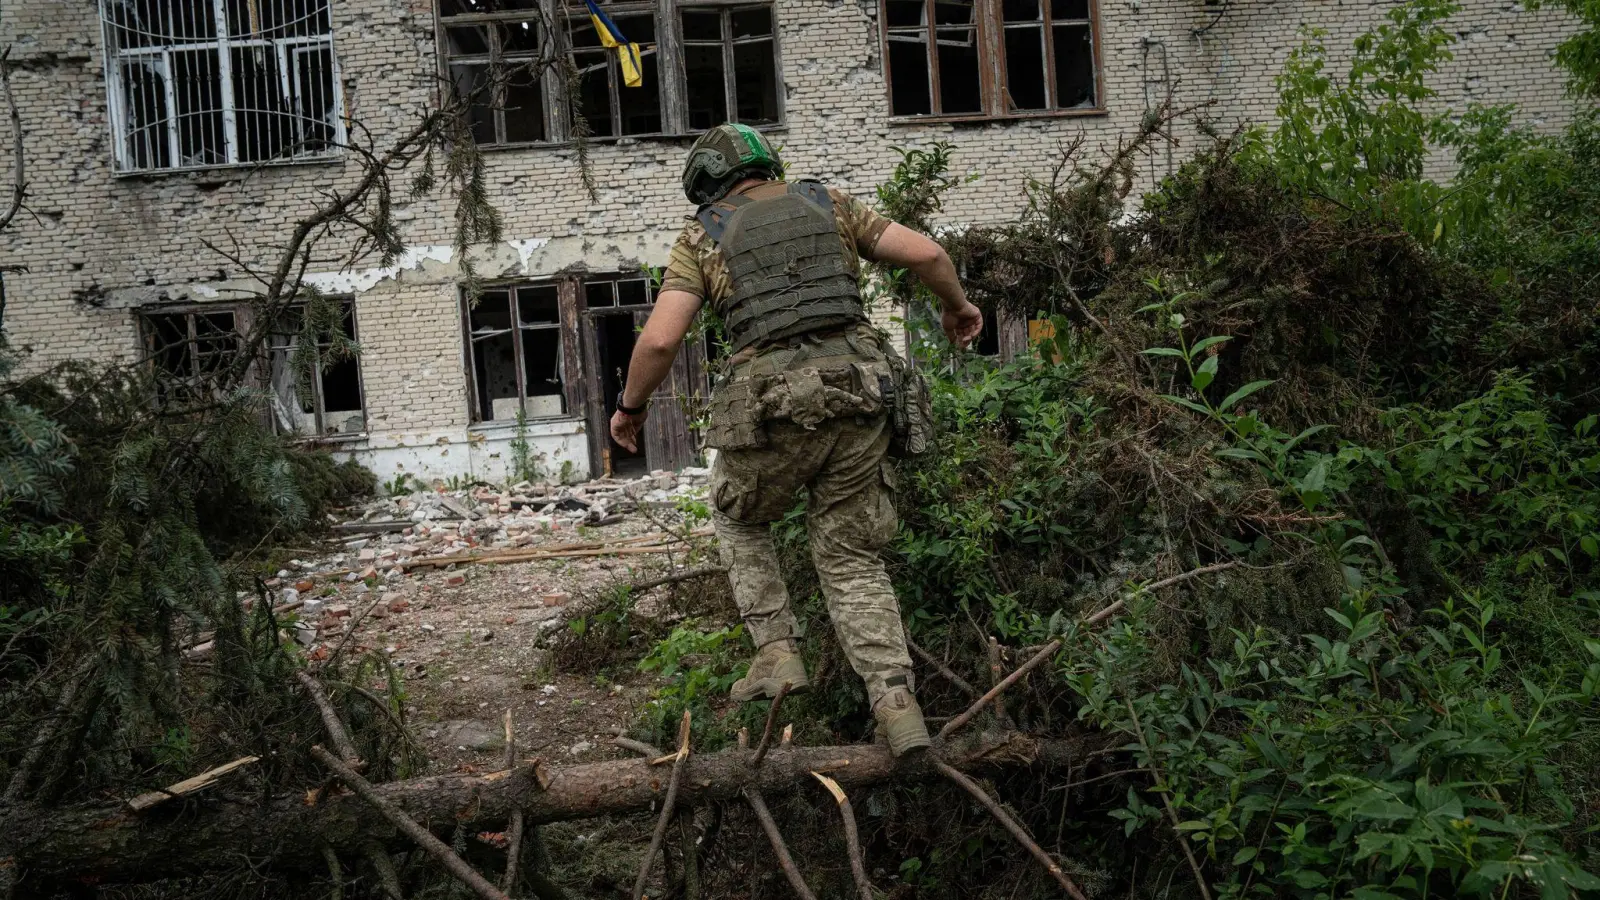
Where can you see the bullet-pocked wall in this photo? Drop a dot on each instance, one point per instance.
(98, 247)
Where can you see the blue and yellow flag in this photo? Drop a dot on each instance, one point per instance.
(611, 37)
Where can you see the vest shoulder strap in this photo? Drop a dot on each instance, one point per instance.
(713, 217)
(816, 192)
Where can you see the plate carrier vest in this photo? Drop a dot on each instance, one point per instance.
(786, 260)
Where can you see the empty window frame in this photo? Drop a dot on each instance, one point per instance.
(940, 63)
(730, 63)
(197, 83)
(189, 351)
(1049, 55)
(715, 64)
(516, 341)
(609, 292)
(315, 386)
(496, 50)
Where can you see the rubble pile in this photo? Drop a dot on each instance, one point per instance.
(391, 534)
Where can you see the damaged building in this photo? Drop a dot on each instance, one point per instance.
(171, 144)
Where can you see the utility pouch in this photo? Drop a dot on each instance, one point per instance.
(911, 417)
(733, 419)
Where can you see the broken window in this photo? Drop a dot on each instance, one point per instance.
(194, 83)
(608, 105)
(315, 383)
(189, 350)
(516, 344)
(939, 64)
(496, 50)
(723, 67)
(730, 64)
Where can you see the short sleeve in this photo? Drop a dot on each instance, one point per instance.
(858, 222)
(683, 266)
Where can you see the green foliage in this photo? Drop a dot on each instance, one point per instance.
(1360, 139)
(1374, 762)
(698, 666)
(1579, 52)
(523, 465)
(1497, 476)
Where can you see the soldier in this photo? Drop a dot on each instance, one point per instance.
(807, 402)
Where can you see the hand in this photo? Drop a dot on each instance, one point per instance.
(625, 429)
(963, 324)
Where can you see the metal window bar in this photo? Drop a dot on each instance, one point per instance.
(178, 99)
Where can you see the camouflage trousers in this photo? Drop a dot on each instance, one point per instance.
(851, 518)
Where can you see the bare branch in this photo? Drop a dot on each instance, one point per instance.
(858, 866)
(1039, 658)
(785, 861)
(668, 805)
(766, 733)
(19, 182)
(1011, 825)
(424, 838)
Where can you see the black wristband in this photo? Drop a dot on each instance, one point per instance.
(627, 410)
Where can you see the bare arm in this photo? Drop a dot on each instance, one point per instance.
(900, 246)
(653, 352)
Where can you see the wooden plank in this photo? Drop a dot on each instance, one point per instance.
(187, 786)
(593, 407)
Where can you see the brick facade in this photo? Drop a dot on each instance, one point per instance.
(97, 246)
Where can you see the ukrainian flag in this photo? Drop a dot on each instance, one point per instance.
(611, 37)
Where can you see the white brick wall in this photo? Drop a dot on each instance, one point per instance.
(92, 239)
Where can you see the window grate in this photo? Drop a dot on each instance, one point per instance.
(201, 83)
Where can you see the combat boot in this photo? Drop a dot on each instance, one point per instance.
(900, 722)
(774, 664)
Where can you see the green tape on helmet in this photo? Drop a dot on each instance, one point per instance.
(724, 156)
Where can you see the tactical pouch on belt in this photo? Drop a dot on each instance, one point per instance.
(912, 414)
(734, 417)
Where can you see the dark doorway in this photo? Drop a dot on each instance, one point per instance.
(615, 337)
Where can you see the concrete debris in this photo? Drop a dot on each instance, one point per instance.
(472, 734)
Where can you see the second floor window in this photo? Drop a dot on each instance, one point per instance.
(944, 60)
(701, 65)
(196, 83)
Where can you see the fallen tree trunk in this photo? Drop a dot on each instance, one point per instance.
(196, 835)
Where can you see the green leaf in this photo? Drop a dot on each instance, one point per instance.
(1206, 372)
(1244, 855)
(1163, 351)
(1242, 393)
(1201, 345)
(1187, 404)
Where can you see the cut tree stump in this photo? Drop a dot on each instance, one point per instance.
(107, 844)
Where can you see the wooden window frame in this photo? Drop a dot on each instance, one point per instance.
(572, 392)
(990, 22)
(669, 64)
(242, 322)
(319, 402)
(730, 88)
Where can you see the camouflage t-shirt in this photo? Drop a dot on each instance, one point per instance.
(697, 268)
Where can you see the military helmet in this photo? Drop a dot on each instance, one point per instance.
(724, 156)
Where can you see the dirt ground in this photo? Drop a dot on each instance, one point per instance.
(473, 640)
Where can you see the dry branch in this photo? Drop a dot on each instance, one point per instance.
(1116, 607)
(852, 841)
(766, 733)
(514, 830)
(684, 575)
(1011, 825)
(648, 543)
(1044, 653)
(331, 721)
(436, 848)
(941, 668)
(105, 842)
(785, 861)
(388, 878)
(668, 806)
(19, 179)
(188, 785)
